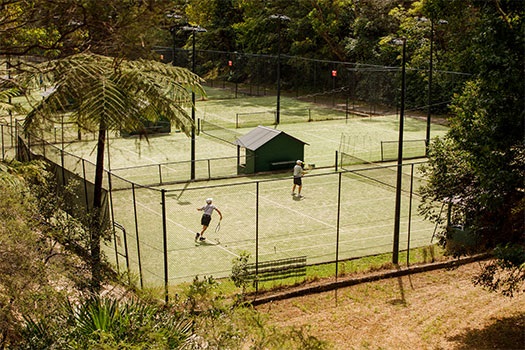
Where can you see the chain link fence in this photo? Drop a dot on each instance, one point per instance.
(349, 86)
(343, 215)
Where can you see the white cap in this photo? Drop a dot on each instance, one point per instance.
(209, 200)
(299, 162)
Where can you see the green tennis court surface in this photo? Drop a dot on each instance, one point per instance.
(354, 210)
(265, 213)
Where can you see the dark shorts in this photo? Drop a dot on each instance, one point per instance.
(205, 220)
(298, 181)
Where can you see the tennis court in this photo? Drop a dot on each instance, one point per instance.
(353, 214)
(359, 136)
(342, 215)
(263, 218)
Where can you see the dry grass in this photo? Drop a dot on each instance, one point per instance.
(433, 310)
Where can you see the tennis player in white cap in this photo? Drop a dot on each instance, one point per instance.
(206, 217)
(298, 173)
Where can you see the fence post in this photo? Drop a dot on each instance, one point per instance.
(14, 140)
(337, 227)
(126, 254)
(410, 212)
(2, 135)
(165, 244)
(86, 195)
(63, 167)
(137, 234)
(29, 147)
(115, 224)
(160, 174)
(256, 235)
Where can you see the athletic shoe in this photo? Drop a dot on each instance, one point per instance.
(293, 193)
(202, 239)
(197, 236)
(300, 196)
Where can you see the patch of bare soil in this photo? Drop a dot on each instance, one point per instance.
(439, 309)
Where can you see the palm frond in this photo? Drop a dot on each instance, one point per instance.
(5, 105)
(123, 94)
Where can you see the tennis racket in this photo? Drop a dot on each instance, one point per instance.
(218, 227)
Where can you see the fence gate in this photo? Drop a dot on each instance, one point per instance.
(121, 244)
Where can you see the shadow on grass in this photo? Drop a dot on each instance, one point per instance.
(506, 333)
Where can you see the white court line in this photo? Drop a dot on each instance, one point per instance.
(184, 227)
(330, 140)
(297, 212)
(154, 161)
(303, 214)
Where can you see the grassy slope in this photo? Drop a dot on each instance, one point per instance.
(432, 310)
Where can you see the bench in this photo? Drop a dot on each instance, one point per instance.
(287, 164)
(277, 269)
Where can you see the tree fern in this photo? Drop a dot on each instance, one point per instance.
(104, 93)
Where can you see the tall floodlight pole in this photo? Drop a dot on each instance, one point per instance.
(193, 29)
(397, 215)
(429, 110)
(430, 71)
(280, 19)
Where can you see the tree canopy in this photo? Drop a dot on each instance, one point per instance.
(59, 28)
(478, 168)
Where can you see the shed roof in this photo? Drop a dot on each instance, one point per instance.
(260, 136)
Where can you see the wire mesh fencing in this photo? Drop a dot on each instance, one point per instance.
(339, 216)
(7, 141)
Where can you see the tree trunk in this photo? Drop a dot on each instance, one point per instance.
(96, 226)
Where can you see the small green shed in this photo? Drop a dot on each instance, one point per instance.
(267, 149)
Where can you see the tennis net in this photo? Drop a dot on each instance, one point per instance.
(219, 132)
(411, 149)
(383, 175)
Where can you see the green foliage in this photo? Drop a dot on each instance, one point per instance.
(119, 94)
(506, 273)
(239, 274)
(57, 29)
(220, 325)
(478, 169)
(510, 255)
(108, 324)
(219, 17)
(6, 94)
(102, 93)
(30, 262)
(203, 297)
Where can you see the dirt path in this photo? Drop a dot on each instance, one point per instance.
(440, 309)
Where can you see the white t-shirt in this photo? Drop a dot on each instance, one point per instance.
(208, 209)
(297, 171)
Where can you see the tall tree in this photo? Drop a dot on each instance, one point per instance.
(110, 94)
(59, 28)
(478, 168)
